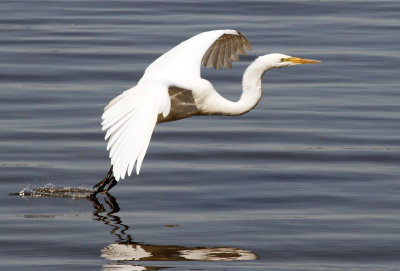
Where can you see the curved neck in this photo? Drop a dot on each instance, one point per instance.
(251, 85)
(251, 93)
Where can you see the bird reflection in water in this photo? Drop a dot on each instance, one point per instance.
(125, 249)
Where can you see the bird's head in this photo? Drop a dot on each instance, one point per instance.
(280, 60)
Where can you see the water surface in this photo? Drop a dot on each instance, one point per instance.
(309, 180)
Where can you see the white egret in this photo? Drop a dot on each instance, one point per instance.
(172, 89)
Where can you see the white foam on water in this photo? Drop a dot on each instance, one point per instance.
(50, 190)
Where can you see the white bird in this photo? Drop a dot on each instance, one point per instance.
(172, 89)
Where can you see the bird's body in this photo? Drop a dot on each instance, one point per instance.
(172, 89)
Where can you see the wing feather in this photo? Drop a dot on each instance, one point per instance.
(182, 64)
(206, 59)
(227, 58)
(234, 55)
(216, 56)
(129, 121)
(221, 56)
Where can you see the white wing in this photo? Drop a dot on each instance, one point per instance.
(182, 63)
(129, 120)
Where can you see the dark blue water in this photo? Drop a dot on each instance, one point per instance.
(309, 180)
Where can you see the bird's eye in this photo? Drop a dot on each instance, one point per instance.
(283, 59)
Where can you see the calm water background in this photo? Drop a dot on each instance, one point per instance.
(309, 180)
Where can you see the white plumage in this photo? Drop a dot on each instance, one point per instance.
(129, 120)
(172, 88)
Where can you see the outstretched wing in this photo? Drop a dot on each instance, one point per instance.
(129, 120)
(225, 49)
(217, 48)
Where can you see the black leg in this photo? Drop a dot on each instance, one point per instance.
(108, 180)
(111, 185)
(104, 182)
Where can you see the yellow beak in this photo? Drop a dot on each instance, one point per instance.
(298, 60)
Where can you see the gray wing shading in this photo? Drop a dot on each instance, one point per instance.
(183, 105)
(225, 49)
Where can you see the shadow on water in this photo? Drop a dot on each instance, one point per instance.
(124, 250)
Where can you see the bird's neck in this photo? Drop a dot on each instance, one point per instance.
(251, 85)
(251, 93)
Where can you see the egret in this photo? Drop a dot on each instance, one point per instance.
(171, 88)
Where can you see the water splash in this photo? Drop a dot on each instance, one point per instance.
(50, 190)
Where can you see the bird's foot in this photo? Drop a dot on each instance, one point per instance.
(108, 180)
